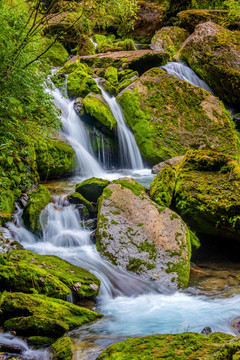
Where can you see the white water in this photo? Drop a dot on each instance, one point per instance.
(184, 72)
(129, 153)
(132, 306)
(77, 137)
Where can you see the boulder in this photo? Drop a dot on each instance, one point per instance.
(79, 107)
(62, 349)
(73, 65)
(80, 84)
(150, 17)
(170, 116)
(206, 192)
(38, 200)
(92, 188)
(41, 316)
(96, 106)
(189, 19)
(156, 246)
(169, 39)
(191, 346)
(76, 199)
(57, 54)
(85, 46)
(52, 276)
(172, 162)
(213, 52)
(139, 60)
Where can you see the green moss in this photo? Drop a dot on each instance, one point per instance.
(40, 340)
(131, 184)
(185, 346)
(111, 75)
(169, 116)
(70, 67)
(38, 200)
(80, 84)
(182, 269)
(92, 188)
(42, 316)
(85, 46)
(136, 265)
(46, 274)
(62, 349)
(98, 108)
(57, 54)
(77, 198)
(162, 186)
(54, 158)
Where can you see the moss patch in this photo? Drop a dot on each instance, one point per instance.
(80, 84)
(92, 188)
(62, 349)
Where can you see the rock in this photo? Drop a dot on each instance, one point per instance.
(73, 65)
(80, 84)
(159, 248)
(230, 349)
(79, 107)
(191, 346)
(38, 200)
(170, 116)
(206, 331)
(113, 46)
(96, 106)
(163, 186)
(206, 192)
(62, 349)
(111, 75)
(189, 19)
(150, 17)
(16, 274)
(139, 60)
(42, 316)
(236, 325)
(54, 159)
(76, 198)
(213, 52)
(92, 188)
(172, 162)
(85, 46)
(57, 54)
(40, 340)
(169, 39)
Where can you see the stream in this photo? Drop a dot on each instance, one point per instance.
(132, 306)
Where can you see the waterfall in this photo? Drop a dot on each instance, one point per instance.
(77, 136)
(130, 155)
(184, 72)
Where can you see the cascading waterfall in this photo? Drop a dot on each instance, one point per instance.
(77, 136)
(184, 72)
(129, 152)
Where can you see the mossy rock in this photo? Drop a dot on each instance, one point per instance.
(111, 75)
(40, 340)
(38, 200)
(92, 188)
(189, 19)
(71, 66)
(42, 316)
(162, 186)
(85, 46)
(80, 84)
(170, 116)
(206, 192)
(76, 198)
(213, 52)
(126, 237)
(169, 39)
(57, 54)
(46, 274)
(185, 346)
(96, 106)
(54, 159)
(62, 349)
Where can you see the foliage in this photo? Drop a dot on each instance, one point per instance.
(234, 9)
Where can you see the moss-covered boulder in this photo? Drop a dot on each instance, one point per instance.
(85, 46)
(111, 75)
(112, 46)
(189, 19)
(169, 39)
(159, 248)
(38, 200)
(24, 271)
(213, 52)
(76, 199)
(139, 60)
(40, 340)
(54, 158)
(170, 116)
(206, 192)
(73, 65)
(96, 106)
(185, 346)
(36, 314)
(80, 84)
(57, 54)
(62, 349)
(92, 188)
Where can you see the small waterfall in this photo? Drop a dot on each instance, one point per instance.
(130, 155)
(184, 72)
(77, 136)
(94, 43)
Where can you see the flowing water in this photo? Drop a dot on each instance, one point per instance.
(132, 306)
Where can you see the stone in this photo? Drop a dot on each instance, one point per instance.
(155, 247)
(236, 325)
(79, 107)
(213, 52)
(92, 188)
(169, 116)
(172, 162)
(80, 84)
